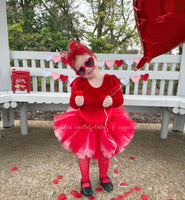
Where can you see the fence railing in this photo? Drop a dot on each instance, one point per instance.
(163, 72)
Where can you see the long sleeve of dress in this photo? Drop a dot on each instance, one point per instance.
(117, 95)
(74, 89)
(117, 98)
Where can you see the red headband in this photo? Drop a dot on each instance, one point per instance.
(75, 48)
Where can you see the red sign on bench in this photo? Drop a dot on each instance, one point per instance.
(20, 80)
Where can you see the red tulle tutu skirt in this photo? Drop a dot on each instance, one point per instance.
(87, 140)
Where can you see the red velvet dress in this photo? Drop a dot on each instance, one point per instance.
(91, 130)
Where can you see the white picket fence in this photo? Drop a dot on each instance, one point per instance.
(162, 92)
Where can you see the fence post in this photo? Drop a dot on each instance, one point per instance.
(179, 120)
(5, 79)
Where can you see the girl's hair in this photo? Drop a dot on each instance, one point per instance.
(75, 48)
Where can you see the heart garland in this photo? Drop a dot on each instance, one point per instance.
(55, 76)
(119, 62)
(135, 79)
(56, 58)
(47, 57)
(145, 77)
(63, 77)
(125, 81)
(109, 63)
(46, 73)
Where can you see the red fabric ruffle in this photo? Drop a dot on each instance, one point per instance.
(87, 140)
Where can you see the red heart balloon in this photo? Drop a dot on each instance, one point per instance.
(161, 26)
(63, 78)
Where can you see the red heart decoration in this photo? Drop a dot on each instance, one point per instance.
(119, 62)
(145, 77)
(79, 93)
(161, 26)
(63, 78)
(89, 62)
(64, 57)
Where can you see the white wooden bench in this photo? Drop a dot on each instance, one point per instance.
(163, 92)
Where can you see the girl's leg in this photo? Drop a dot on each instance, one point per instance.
(103, 163)
(85, 182)
(84, 168)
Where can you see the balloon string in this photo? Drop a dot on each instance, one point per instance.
(110, 139)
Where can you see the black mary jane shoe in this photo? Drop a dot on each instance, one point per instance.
(107, 186)
(87, 191)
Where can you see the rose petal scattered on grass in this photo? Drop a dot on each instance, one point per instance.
(55, 181)
(59, 176)
(73, 192)
(170, 199)
(144, 197)
(123, 184)
(114, 199)
(62, 197)
(115, 171)
(14, 168)
(132, 157)
(98, 189)
(132, 189)
(78, 195)
(121, 197)
(137, 188)
(92, 198)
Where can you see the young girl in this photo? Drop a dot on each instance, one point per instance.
(96, 127)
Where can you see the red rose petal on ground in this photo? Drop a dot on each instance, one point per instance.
(132, 158)
(144, 197)
(137, 188)
(55, 181)
(92, 198)
(73, 192)
(121, 197)
(113, 199)
(98, 189)
(132, 189)
(116, 171)
(14, 169)
(123, 184)
(126, 194)
(170, 199)
(60, 177)
(78, 195)
(62, 197)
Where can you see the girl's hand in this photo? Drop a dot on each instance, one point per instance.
(79, 100)
(107, 101)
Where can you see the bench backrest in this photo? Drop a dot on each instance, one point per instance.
(163, 72)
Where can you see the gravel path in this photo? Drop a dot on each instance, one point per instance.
(158, 168)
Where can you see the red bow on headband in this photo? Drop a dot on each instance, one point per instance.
(75, 48)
